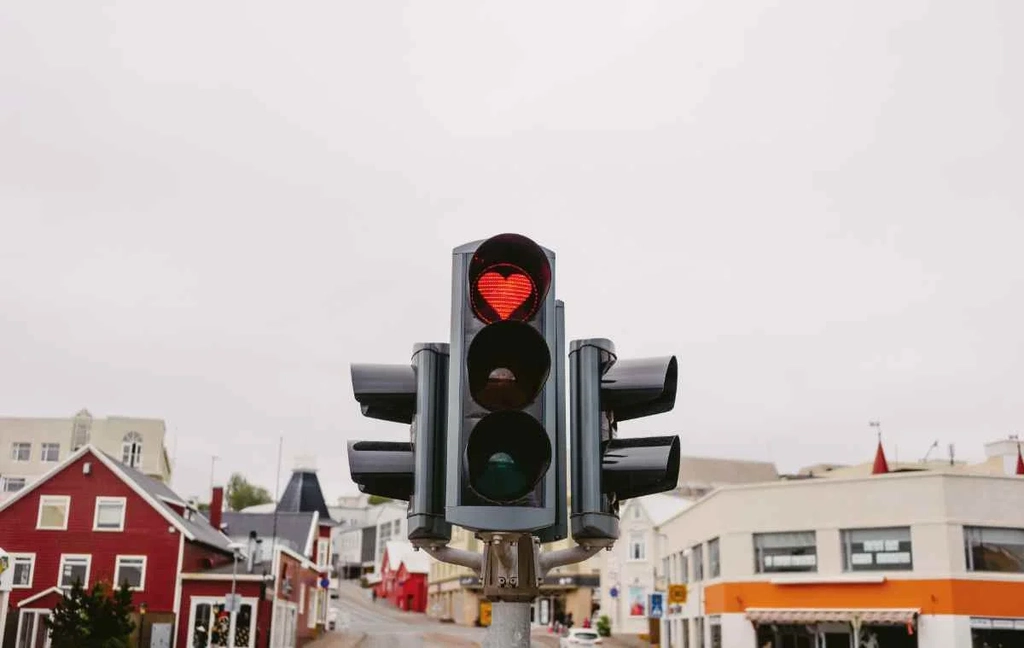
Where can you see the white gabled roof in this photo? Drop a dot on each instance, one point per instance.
(661, 508)
(417, 562)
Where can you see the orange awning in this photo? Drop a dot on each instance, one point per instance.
(882, 616)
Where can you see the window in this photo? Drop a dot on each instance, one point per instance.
(321, 552)
(53, 512)
(130, 569)
(11, 484)
(73, 567)
(109, 514)
(49, 452)
(21, 451)
(785, 552)
(636, 511)
(131, 450)
(637, 550)
(686, 633)
(698, 632)
(22, 566)
(714, 564)
(698, 563)
(684, 567)
(715, 626)
(877, 549)
(994, 550)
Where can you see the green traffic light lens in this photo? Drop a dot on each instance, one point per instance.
(508, 454)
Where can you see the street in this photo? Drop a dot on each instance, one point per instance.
(368, 624)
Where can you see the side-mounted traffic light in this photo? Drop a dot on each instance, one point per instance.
(605, 469)
(506, 452)
(411, 471)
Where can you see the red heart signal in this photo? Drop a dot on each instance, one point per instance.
(504, 294)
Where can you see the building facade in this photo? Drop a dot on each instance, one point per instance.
(30, 447)
(927, 558)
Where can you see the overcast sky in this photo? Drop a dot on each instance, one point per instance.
(208, 210)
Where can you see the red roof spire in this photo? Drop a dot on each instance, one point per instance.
(881, 465)
(1020, 461)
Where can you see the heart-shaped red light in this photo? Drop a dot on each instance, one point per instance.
(504, 294)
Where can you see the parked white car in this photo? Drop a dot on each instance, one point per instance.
(578, 637)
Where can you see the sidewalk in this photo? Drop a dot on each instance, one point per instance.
(337, 640)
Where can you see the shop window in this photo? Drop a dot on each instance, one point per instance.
(877, 549)
(715, 626)
(785, 552)
(994, 549)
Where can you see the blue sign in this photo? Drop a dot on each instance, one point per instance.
(614, 592)
(656, 605)
(325, 582)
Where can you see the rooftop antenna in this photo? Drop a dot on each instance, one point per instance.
(951, 455)
(878, 428)
(277, 498)
(933, 446)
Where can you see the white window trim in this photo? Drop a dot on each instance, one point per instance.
(117, 571)
(21, 443)
(60, 569)
(5, 479)
(31, 570)
(42, 452)
(52, 499)
(214, 601)
(643, 547)
(123, 501)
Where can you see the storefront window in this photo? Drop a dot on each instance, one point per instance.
(785, 552)
(994, 550)
(877, 549)
(698, 563)
(715, 625)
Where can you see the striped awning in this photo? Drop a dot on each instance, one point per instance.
(881, 616)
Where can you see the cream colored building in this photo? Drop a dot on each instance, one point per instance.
(31, 447)
(931, 556)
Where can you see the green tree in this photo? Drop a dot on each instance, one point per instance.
(241, 494)
(374, 500)
(97, 618)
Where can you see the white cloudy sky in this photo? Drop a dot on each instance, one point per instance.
(208, 210)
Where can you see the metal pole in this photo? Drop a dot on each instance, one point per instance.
(234, 582)
(4, 597)
(510, 626)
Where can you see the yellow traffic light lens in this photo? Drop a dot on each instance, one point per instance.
(508, 365)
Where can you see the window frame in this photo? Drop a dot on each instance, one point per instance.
(48, 445)
(5, 480)
(43, 500)
(847, 550)
(100, 500)
(77, 557)
(642, 544)
(15, 558)
(969, 554)
(131, 449)
(697, 553)
(714, 558)
(142, 575)
(760, 568)
(17, 445)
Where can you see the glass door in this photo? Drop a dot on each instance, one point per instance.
(212, 626)
(32, 632)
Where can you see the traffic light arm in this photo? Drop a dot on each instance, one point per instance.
(453, 556)
(562, 557)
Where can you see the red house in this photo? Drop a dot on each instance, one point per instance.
(95, 519)
(403, 577)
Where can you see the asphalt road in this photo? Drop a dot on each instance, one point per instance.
(363, 623)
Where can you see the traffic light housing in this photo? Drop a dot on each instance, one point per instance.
(413, 471)
(607, 470)
(506, 449)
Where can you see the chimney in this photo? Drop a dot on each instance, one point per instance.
(216, 507)
(253, 548)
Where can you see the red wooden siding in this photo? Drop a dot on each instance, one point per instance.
(145, 533)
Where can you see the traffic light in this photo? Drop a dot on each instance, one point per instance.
(411, 471)
(607, 470)
(506, 449)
